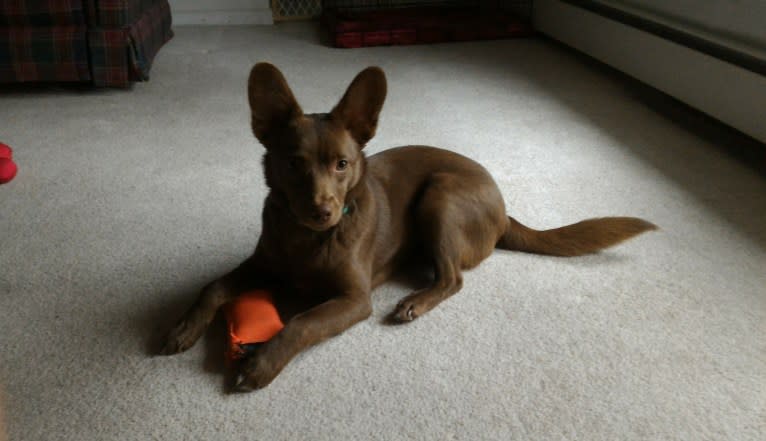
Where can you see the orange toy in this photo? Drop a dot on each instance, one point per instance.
(8, 168)
(251, 319)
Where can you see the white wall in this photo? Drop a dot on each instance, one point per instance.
(220, 12)
(724, 91)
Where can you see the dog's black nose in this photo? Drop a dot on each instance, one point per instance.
(323, 213)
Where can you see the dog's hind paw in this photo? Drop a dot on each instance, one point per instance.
(405, 311)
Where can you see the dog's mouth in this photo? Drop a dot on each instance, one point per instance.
(317, 222)
(319, 225)
(316, 218)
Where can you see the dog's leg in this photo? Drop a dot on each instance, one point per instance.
(459, 223)
(196, 320)
(302, 331)
(444, 239)
(447, 282)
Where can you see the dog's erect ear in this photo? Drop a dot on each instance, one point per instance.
(360, 106)
(271, 101)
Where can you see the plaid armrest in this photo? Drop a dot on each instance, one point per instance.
(108, 42)
(120, 55)
(38, 53)
(41, 13)
(107, 13)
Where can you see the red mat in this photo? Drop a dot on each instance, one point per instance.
(350, 29)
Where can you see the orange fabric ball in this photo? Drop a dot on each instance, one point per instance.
(251, 318)
(8, 170)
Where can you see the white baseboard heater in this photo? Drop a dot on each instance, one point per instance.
(722, 80)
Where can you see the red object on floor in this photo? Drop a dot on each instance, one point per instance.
(5, 151)
(8, 168)
(376, 38)
(404, 36)
(350, 29)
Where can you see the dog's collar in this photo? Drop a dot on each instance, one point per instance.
(350, 207)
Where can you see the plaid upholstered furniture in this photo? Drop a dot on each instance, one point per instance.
(109, 43)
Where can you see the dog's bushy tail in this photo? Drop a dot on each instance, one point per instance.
(584, 237)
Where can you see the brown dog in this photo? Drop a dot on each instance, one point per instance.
(337, 224)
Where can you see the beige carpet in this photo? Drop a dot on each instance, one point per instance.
(127, 202)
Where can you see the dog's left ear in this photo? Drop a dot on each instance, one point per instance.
(360, 106)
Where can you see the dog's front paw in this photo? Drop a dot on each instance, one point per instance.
(256, 372)
(180, 338)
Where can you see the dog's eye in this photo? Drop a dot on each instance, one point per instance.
(293, 163)
(342, 164)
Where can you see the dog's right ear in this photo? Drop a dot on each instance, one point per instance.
(272, 103)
